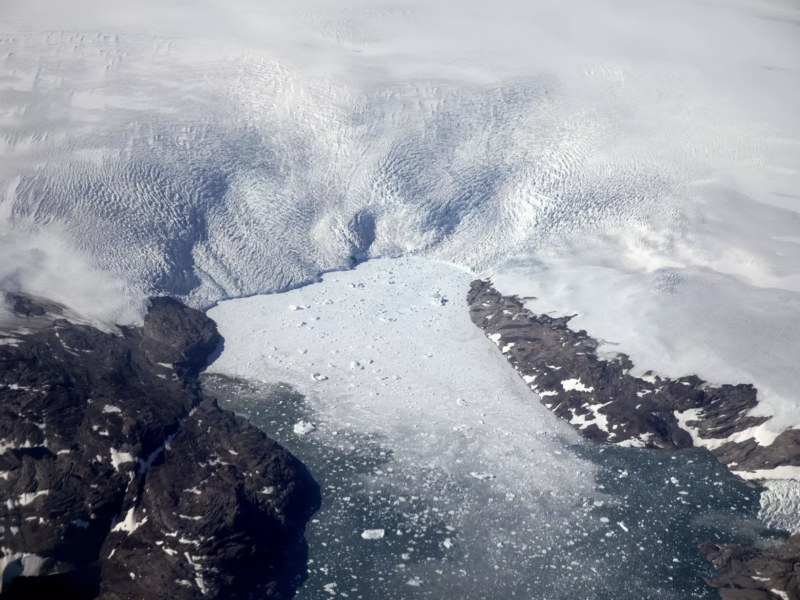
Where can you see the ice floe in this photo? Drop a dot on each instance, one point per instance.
(373, 534)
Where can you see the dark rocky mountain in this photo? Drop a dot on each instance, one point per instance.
(120, 480)
(608, 405)
(756, 574)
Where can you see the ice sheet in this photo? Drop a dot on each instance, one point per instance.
(244, 147)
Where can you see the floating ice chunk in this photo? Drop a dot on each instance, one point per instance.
(295, 307)
(461, 402)
(108, 408)
(304, 427)
(482, 475)
(623, 526)
(330, 588)
(373, 534)
(302, 351)
(415, 582)
(447, 543)
(356, 365)
(319, 377)
(495, 337)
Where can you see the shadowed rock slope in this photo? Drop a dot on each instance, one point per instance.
(120, 480)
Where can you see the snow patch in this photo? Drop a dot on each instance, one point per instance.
(119, 458)
(780, 504)
(129, 524)
(575, 384)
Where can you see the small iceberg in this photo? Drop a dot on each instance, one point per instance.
(304, 427)
(373, 534)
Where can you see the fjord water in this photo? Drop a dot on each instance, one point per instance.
(632, 535)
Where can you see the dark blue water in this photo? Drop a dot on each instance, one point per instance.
(635, 537)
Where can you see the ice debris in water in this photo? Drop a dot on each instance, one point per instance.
(373, 534)
(438, 300)
(319, 377)
(482, 475)
(304, 427)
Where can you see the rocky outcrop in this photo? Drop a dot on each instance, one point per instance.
(120, 480)
(751, 574)
(607, 404)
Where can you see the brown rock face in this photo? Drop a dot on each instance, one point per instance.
(748, 573)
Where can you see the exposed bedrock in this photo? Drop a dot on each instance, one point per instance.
(607, 404)
(120, 480)
(756, 574)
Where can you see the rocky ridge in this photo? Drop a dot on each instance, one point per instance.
(607, 404)
(121, 480)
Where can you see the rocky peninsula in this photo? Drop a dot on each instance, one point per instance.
(121, 480)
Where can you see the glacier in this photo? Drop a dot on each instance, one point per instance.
(250, 158)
